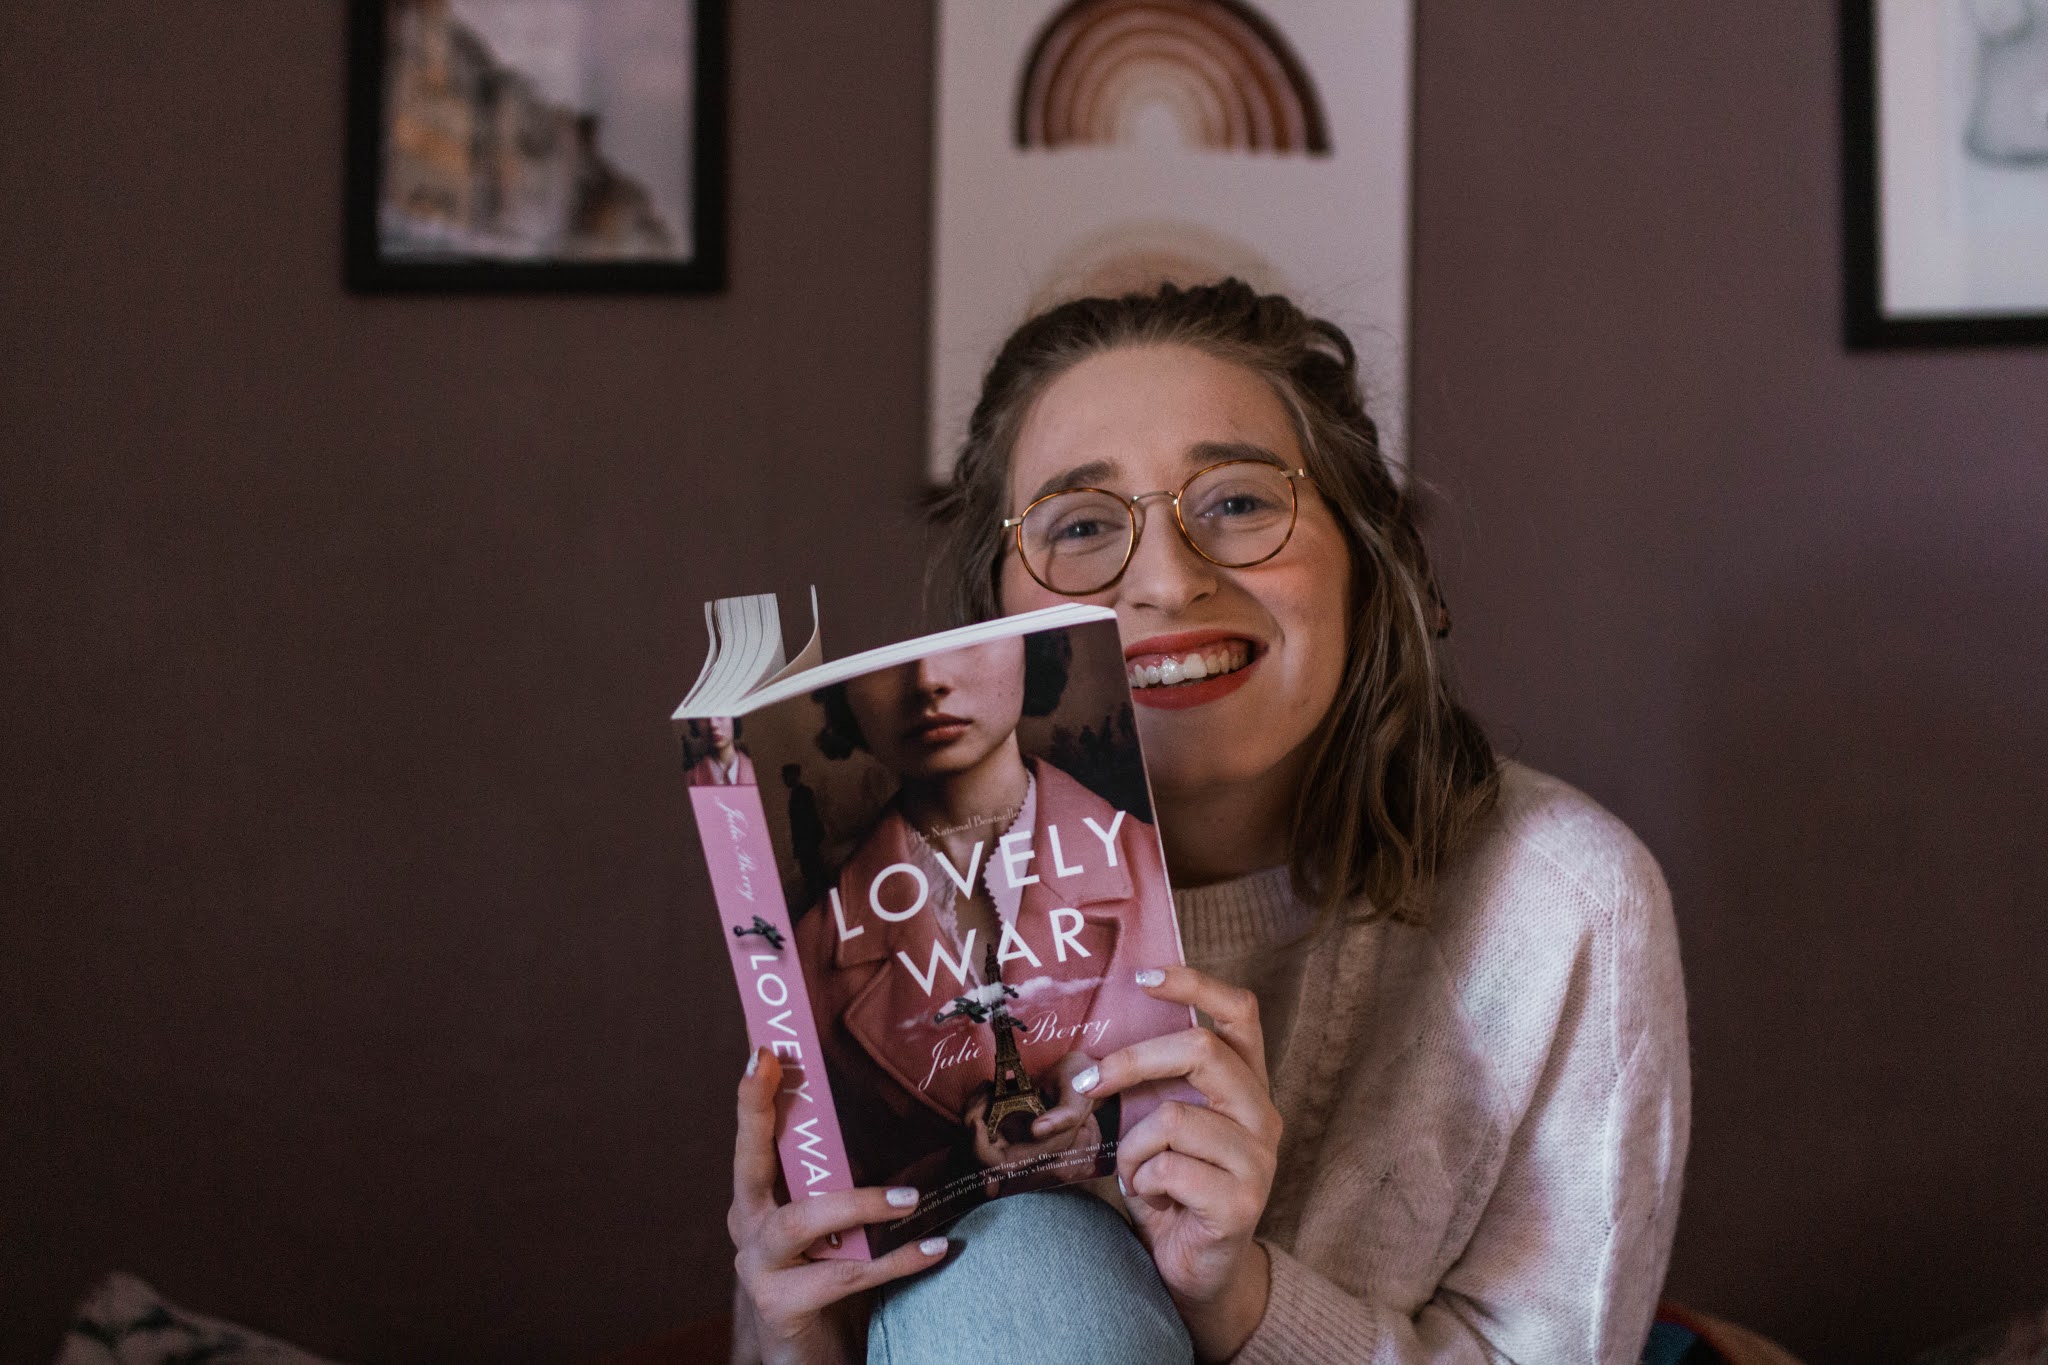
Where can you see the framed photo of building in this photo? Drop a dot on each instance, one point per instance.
(1945, 128)
(536, 145)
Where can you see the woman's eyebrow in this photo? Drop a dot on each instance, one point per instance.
(1216, 452)
(1081, 475)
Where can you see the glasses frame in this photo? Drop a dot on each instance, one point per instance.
(1015, 525)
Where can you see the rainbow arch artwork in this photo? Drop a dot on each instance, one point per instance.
(1097, 147)
(1221, 70)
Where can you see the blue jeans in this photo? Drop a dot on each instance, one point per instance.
(1049, 1278)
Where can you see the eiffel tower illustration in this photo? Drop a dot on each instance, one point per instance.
(1016, 1092)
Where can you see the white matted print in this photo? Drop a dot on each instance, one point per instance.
(1093, 146)
(1946, 119)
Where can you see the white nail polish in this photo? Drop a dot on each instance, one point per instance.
(932, 1246)
(902, 1197)
(1088, 1080)
(753, 1061)
(1152, 976)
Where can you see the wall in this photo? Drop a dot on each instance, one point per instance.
(1782, 608)
(356, 981)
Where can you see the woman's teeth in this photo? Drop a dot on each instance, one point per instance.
(1192, 666)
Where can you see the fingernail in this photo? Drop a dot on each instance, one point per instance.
(1088, 1079)
(1122, 1189)
(904, 1197)
(753, 1061)
(933, 1246)
(1151, 976)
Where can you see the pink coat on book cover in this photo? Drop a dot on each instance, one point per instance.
(904, 1083)
(705, 772)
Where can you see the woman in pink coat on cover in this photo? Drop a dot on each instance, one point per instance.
(897, 953)
(726, 765)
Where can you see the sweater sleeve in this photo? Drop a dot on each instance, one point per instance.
(1567, 1257)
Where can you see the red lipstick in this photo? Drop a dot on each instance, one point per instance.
(1181, 696)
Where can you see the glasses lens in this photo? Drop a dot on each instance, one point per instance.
(1239, 513)
(1076, 542)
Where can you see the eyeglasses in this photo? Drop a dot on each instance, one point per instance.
(1236, 514)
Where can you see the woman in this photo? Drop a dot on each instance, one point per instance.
(908, 1050)
(724, 763)
(1447, 1095)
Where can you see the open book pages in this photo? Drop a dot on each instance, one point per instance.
(937, 874)
(744, 668)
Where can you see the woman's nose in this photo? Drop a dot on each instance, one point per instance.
(932, 677)
(1165, 574)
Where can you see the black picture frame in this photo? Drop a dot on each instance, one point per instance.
(1867, 325)
(369, 270)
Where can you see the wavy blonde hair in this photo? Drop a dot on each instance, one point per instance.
(1399, 772)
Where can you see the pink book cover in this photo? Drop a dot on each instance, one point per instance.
(938, 879)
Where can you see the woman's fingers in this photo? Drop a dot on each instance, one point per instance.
(1232, 1011)
(785, 1233)
(1073, 1108)
(786, 1288)
(1197, 1132)
(1063, 1117)
(1211, 1065)
(753, 1150)
(817, 1285)
(1210, 1192)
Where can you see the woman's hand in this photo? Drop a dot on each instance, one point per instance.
(1059, 1129)
(1197, 1179)
(802, 1307)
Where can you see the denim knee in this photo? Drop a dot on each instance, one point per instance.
(1054, 1276)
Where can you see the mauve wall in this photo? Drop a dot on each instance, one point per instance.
(1783, 608)
(356, 981)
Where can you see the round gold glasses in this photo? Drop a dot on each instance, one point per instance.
(1079, 541)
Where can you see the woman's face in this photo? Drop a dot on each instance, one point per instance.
(1146, 417)
(943, 714)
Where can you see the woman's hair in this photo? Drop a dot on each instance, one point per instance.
(1399, 772)
(1048, 656)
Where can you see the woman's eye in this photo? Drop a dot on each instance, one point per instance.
(1081, 528)
(1238, 503)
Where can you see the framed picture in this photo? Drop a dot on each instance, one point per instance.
(536, 145)
(1100, 146)
(1945, 127)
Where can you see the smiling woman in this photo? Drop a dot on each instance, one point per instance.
(1444, 1094)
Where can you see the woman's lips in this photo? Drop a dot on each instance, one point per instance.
(939, 729)
(1172, 672)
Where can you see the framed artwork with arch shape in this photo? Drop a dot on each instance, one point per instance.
(1096, 146)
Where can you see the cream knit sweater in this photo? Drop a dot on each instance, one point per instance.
(1485, 1116)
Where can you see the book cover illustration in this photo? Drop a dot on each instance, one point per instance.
(969, 879)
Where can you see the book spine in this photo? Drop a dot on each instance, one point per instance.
(758, 933)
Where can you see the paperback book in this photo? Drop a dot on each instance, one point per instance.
(937, 873)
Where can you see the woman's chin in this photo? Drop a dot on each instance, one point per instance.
(1174, 784)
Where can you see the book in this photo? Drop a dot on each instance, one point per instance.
(937, 873)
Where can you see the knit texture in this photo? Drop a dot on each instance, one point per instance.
(1485, 1114)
